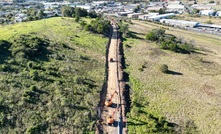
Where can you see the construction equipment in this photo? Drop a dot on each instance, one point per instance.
(109, 101)
(110, 118)
(111, 60)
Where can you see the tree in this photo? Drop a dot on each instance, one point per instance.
(155, 34)
(67, 11)
(32, 12)
(80, 12)
(124, 28)
(41, 14)
(92, 14)
(77, 18)
(162, 11)
(137, 9)
(30, 18)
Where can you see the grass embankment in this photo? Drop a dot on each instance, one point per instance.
(50, 80)
(200, 19)
(188, 96)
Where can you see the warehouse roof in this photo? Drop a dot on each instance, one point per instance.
(210, 25)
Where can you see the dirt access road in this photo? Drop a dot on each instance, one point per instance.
(113, 85)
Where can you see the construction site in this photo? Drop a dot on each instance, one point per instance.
(115, 101)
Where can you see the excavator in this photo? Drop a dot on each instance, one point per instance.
(109, 101)
(110, 118)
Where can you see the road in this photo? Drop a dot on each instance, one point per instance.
(113, 85)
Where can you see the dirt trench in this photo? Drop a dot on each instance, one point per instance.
(115, 80)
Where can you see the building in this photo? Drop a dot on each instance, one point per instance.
(125, 13)
(50, 5)
(155, 8)
(145, 16)
(201, 7)
(180, 23)
(161, 16)
(134, 15)
(207, 12)
(87, 7)
(174, 7)
(20, 17)
(218, 13)
(210, 26)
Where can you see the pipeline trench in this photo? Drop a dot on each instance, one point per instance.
(115, 89)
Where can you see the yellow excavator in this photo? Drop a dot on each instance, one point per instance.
(109, 101)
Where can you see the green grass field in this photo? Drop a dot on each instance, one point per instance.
(189, 93)
(56, 90)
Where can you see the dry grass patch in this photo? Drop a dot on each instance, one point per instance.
(190, 93)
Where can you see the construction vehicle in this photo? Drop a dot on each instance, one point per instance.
(111, 60)
(109, 101)
(110, 118)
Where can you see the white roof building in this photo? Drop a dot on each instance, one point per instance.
(207, 12)
(134, 15)
(218, 13)
(175, 6)
(181, 23)
(201, 7)
(161, 16)
(210, 26)
(145, 16)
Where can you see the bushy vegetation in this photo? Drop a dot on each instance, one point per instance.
(124, 29)
(48, 86)
(68, 11)
(98, 25)
(169, 42)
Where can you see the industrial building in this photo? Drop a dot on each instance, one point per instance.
(179, 23)
(145, 16)
(207, 12)
(218, 13)
(134, 15)
(210, 26)
(161, 16)
(125, 13)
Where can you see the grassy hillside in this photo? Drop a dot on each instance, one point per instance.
(51, 73)
(189, 96)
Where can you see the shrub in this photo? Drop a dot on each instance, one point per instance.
(87, 27)
(151, 36)
(209, 22)
(164, 68)
(34, 74)
(140, 69)
(155, 34)
(135, 111)
(169, 42)
(30, 64)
